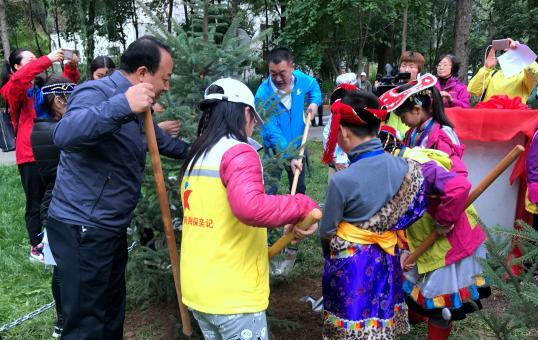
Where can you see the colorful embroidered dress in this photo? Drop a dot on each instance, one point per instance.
(362, 280)
(449, 274)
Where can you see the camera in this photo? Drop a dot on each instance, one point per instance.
(388, 82)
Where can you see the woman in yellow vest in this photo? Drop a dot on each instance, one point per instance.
(224, 254)
(489, 81)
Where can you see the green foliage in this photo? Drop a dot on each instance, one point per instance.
(201, 55)
(496, 19)
(327, 34)
(521, 292)
(24, 285)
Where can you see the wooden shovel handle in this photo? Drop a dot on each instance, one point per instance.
(297, 173)
(313, 217)
(480, 188)
(167, 219)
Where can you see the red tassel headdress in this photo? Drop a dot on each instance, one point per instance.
(345, 113)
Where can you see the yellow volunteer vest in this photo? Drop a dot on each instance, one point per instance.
(224, 262)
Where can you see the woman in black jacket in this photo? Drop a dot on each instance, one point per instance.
(50, 103)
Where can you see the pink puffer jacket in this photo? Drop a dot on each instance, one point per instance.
(241, 173)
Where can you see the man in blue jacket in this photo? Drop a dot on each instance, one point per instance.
(103, 154)
(285, 91)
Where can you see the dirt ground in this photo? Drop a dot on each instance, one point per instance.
(289, 317)
(285, 305)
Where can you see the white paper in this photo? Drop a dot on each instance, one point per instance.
(516, 60)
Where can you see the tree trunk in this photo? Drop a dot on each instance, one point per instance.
(364, 29)
(44, 24)
(282, 16)
(266, 42)
(206, 21)
(235, 7)
(57, 24)
(170, 14)
(134, 17)
(462, 29)
(4, 30)
(89, 29)
(32, 25)
(186, 11)
(404, 30)
(440, 35)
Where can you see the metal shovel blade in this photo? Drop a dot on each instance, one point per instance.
(282, 265)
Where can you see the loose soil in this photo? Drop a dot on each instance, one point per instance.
(285, 305)
(289, 317)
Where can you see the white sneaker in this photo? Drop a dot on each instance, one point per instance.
(57, 332)
(36, 253)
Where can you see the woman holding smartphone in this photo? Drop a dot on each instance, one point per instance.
(489, 81)
(18, 73)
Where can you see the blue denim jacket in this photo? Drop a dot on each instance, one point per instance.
(103, 154)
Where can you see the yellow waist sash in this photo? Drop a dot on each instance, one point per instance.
(387, 240)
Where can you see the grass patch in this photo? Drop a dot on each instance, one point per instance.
(310, 258)
(24, 285)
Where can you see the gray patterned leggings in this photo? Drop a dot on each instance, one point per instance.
(250, 326)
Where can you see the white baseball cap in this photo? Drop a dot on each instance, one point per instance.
(234, 91)
(363, 73)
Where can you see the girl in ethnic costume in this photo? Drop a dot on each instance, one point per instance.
(224, 254)
(367, 206)
(424, 113)
(447, 278)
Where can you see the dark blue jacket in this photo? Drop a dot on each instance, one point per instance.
(103, 156)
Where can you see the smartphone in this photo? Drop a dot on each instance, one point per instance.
(68, 53)
(500, 44)
(488, 49)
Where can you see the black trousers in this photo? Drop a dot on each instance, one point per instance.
(34, 189)
(91, 263)
(277, 173)
(320, 115)
(57, 297)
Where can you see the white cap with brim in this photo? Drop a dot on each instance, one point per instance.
(234, 91)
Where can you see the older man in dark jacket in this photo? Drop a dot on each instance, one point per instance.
(98, 185)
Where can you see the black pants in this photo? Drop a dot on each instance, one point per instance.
(277, 173)
(91, 263)
(57, 297)
(320, 115)
(34, 190)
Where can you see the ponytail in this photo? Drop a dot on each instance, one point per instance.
(438, 109)
(6, 71)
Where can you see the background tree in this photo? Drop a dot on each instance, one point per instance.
(208, 49)
(4, 35)
(462, 30)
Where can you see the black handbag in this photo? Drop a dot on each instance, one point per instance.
(7, 133)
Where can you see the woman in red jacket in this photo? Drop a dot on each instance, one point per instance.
(18, 75)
